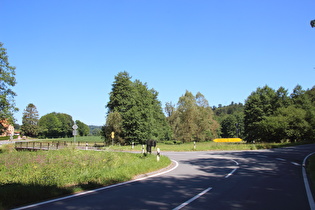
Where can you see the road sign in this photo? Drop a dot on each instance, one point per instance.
(75, 127)
(113, 134)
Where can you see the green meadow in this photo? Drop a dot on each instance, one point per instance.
(27, 177)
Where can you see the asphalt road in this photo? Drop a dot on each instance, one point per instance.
(266, 179)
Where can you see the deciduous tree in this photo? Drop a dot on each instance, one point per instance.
(54, 125)
(140, 111)
(260, 104)
(192, 119)
(7, 82)
(83, 129)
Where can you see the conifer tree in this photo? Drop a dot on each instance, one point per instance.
(30, 121)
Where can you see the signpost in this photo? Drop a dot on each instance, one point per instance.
(113, 136)
(75, 127)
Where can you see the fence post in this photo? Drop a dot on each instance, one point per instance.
(40, 146)
(48, 145)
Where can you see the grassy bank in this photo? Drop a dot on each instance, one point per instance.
(200, 146)
(207, 146)
(27, 177)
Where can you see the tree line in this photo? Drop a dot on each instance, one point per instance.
(135, 114)
(52, 125)
(275, 115)
(268, 115)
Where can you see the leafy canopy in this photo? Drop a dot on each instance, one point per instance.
(7, 82)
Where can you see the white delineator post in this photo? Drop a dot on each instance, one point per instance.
(158, 154)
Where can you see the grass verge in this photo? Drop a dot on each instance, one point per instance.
(28, 177)
(207, 146)
(310, 169)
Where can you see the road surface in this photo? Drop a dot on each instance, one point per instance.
(266, 179)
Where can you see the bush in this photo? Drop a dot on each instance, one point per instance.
(7, 148)
(172, 142)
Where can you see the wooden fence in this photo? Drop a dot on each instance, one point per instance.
(56, 145)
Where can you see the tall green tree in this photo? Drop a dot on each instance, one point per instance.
(83, 129)
(30, 121)
(121, 97)
(140, 111)
(260, 104)
(192, 119)
(229, 127)
(7, 82)
(187, 112)
(207, 126)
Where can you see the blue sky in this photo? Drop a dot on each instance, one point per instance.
(67, 52)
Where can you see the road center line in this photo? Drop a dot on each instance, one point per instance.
(294, 163)
(192, 199)
(235, 162)
(231, 173)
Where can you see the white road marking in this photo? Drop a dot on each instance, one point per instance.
(231, 173)
(294, 163)
(307, 186)
(96, 190)
(192, 199)
(235, 162)
(281, 159)
(262, 156)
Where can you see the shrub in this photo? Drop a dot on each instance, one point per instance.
(7, 148)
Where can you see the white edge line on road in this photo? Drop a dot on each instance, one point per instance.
(192, 199)
(307, 186)
(96, 190)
